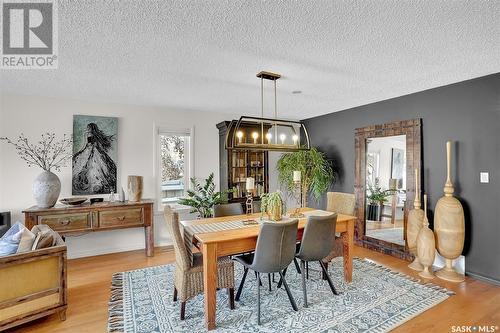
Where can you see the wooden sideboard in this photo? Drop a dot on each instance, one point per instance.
(71, 220)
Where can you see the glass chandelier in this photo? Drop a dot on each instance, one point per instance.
(259, 133)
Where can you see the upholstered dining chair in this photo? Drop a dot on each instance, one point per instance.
(317, 242)
(340, 203)
(188, 279)
(274, 251)
(228, 209)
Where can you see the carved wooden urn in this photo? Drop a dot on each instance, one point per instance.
(426, 246)
(449, 226)
(415, 223)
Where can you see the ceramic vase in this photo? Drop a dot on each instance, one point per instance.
(449, 226)
(46, 189)
(415, 223)
(426, 246)
(134, 186)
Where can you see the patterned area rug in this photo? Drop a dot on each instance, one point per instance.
(391, 235)
(377, 301)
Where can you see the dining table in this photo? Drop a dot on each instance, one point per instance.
(232, 235)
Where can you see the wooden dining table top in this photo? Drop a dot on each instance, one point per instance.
(252, 230)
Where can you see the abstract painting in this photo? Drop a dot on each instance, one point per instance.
(398, 166)
(94, 154)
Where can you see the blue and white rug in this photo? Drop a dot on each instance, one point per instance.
(377, 300)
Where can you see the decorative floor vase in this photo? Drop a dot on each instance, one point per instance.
(46, 189)
(415, 223)
(426, 246)
(449, 226)
(134, 186)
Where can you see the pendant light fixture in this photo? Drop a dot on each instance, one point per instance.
(259, 133)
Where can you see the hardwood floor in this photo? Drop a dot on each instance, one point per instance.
(475, 302)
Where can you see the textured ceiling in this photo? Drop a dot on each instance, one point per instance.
(204, 55)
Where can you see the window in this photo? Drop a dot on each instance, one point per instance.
(175, 164)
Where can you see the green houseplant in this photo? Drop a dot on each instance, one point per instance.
(376, 197)
(203, 198)
(273, 205)
(316, 172)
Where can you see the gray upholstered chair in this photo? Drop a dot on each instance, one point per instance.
(228, 209)
(340, 203)
(188, 279)
(317, 242)
(274, 251)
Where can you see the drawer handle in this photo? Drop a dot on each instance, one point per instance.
(64, 222)
(120, 218)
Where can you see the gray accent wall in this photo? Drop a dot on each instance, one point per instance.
(468, 113)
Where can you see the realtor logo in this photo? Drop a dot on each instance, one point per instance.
(29, 34)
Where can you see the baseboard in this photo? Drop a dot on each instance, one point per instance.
(483, 278)
(113, 249)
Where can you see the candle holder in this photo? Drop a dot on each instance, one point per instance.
(249, 203)
(298, 196)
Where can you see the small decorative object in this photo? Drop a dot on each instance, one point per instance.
(298, 194)
(415, 223)
(449, 226)
(121, 198)
(96, 200)
(112, 197)
(134, 188)
(272, 204)
(250, 186)
(315, 170)
(203, 198)
(426, 246)
(73, 201)
(94, 154)
(48, 154)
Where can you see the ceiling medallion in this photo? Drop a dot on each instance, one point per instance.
(267, 134)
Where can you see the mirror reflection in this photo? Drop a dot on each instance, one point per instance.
(386, 188)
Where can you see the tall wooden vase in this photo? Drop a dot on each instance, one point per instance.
(426, 246)
(134, 185)
(415, 223)
(449, 226)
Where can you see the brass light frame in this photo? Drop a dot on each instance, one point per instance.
(297, 128)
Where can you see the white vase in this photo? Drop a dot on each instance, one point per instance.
(46, 189)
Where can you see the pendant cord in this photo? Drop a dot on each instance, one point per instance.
(275, 113)
(262, 110)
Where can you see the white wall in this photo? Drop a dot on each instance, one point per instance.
(36, 115)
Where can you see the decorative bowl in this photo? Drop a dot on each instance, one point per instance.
(73, 201)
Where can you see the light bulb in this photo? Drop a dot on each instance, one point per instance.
(269, 136)
(239, 135)
(295, 138)
(282, 138)
(255, 135)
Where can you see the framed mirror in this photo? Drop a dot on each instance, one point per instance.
(386, 158)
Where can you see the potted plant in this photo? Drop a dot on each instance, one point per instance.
(376, 198)
(48, 154)
(316, 172)
(273, 205)
(203, 198)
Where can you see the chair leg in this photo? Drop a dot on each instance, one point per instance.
(307, 270)
(175, 294)
(296, 265)
(290, 296)
(328, 278)
(258, 298)
(230, 292)
(302, 265)
(280, 282)
(269, 280)
(240, 288)
(323, 275)
(257, 276)
(183, 310)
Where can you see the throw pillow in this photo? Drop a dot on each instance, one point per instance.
(45, 237)
(10, 240)
(26, 242)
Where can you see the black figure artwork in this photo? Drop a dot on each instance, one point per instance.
(94, 171)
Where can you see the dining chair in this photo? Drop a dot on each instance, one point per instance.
(317, 242)
(188, 277)
(274, 251)
(340, 203)
(228, 209)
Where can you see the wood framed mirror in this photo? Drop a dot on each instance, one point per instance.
(386, 158)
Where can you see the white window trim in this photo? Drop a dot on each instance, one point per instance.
(167, 129)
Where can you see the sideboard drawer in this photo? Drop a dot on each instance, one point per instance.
(125, 217)
(67, 222)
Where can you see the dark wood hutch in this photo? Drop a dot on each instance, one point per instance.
(236, 165)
